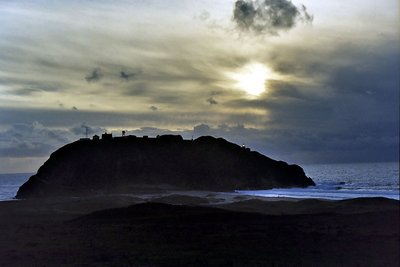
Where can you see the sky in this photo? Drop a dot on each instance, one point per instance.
(301, 81)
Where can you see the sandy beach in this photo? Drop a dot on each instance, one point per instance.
(198, 229)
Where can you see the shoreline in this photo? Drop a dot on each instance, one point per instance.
(267, 195)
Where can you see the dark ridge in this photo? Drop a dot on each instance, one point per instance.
(123, 164)
(153, 211)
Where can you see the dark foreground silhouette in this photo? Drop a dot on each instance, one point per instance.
(110, 231)
(127, 164)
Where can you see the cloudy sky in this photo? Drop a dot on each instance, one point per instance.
(305, 81)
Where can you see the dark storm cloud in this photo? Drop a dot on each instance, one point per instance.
(349, 112)
(268, 16)
(94, 76)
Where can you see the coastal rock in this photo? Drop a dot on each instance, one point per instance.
(125, 164)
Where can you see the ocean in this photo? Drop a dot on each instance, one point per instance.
(333, 181)
(343, 181)
(9, 184)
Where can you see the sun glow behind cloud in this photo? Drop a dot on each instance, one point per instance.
(252, 78)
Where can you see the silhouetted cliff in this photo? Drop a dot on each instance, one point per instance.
(124, 163)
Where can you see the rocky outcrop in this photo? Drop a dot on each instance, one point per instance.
(122, 164)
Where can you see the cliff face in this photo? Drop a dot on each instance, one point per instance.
(119, 165)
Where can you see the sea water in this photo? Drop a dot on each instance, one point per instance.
(333, 181)
(9, 184)
(343, 181)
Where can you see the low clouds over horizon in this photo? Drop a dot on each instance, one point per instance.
(331, 90)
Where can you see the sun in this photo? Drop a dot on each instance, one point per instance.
(251, 78)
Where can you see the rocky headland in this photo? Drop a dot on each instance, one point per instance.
(129, 163)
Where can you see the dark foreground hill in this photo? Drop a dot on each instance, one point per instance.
(124, 231)
(124, 164)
